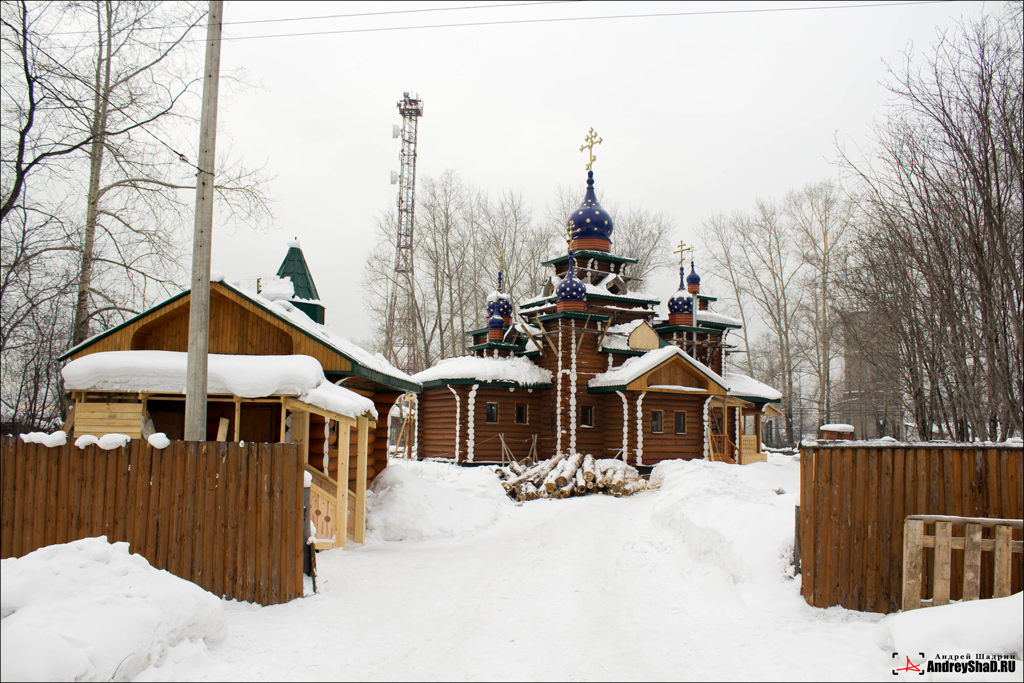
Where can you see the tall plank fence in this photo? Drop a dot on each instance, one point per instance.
(854, 498)
(226, 516)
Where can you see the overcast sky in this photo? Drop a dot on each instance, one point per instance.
(699, 113)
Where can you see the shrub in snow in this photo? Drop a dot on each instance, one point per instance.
(418, 500)
(89, 610)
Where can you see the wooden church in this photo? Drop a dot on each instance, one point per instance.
(589, 368)
(276, 374)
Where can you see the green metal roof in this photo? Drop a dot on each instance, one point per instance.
(294, 267)
(590, 253)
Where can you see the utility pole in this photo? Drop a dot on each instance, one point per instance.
(199, 307)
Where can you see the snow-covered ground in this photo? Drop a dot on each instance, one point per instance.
(690, 580)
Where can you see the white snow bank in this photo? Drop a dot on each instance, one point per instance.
(991, 627)
(732, 516)
(744, 385)
(245, 376)
(278, 289)
(107, 442)
(837, 427)
(165, 372)
(639, 365)
(512, 369)
(420, 500)
(89, 610)
(58, 438)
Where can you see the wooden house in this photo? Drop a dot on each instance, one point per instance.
(277, 374)
(589, 367)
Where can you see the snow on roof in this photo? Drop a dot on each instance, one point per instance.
(617, 336)
(837, 427)
(277, 289)
(742, 385)
(638, 366)
(512, 369)
(244, 376)
(712, 317)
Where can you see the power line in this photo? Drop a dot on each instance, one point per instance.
(615, 16)
(344, 16)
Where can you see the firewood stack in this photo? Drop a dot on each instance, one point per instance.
(570, 475)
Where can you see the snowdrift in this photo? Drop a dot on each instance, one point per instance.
(89, 610)
(421, 500)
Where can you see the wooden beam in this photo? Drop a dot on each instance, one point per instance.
(582, 333)
(545, 333)
(295, 404)
(604, 333)
(341, 513)
(361, 453)
(540, 346)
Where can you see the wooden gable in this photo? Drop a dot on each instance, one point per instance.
(675, 372)
(644, 338)
(237, 326)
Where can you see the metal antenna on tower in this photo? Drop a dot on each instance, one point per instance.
(400, 333)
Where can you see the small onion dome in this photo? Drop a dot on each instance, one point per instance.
(502, 306)
(590, 220)
(692, 280)
(495, 322)
(570, 288)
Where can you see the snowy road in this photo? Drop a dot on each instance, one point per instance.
(580, 589)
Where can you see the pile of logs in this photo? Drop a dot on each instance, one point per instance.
(570, 475)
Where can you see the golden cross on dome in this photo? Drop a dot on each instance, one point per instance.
(683, 249)
(570, 233)
(501, 259)
(590, 141)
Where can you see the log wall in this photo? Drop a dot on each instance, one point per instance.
(855, 497)
(226, 517)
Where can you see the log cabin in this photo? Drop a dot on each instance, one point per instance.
(589, 367)
(277, 374)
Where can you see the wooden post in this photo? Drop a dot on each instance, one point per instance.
(238, 419)
(913, 530)
(972, 562)
(943, 558)
(199, 300)
(1001, 582)
(341, 513)
(364, 431)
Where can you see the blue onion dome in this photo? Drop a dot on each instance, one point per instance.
(491, 303)
(590, 220)
(692, 278)
(503, 305)
(571, 288)
(495, 322)
(681, 301)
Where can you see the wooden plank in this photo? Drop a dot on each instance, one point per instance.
(199, 560)
(220, 521)
(37, 485)
(858, 566)
(79, 458)
(871, 551)
(209, 498)
(1003, 563)
(808, 461)
(972, 562)
(290, 528)
(361, 454)
(943, 554)
(165, 511)
(7, 497)
(230, 486)
(142, 493)
(109, 517)
(835, 528)
(188, 505)
(53, 492)
(885, 590)
(341, 514)
(913, 529)
(241, 498)
(252, 522)
(276, 521)
(846, 533)
(176, 537)
(20, 497)
(152, 517)
(263, 529)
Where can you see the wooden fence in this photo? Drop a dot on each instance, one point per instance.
(854, 498)
(225, 516)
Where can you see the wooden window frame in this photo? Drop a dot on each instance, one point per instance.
(526, 413)
(487, 412)
(659, 416)
(676, 420)
(584, 422)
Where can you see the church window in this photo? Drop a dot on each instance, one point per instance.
(587, 416)
(492, 412)
(680, 422)
(522, 413)
(656, 421)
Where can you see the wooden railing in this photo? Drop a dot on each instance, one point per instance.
(915, 540)
(226, 516)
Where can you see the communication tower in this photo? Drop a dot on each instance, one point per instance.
(400, 334)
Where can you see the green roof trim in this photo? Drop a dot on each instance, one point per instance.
(756, 399)
(574, 315)
(463, 381)
(495, 345)
(294, 267)
(473, 333)
(590, 253)
(625, 352)
(706, 298)
(685, 328)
